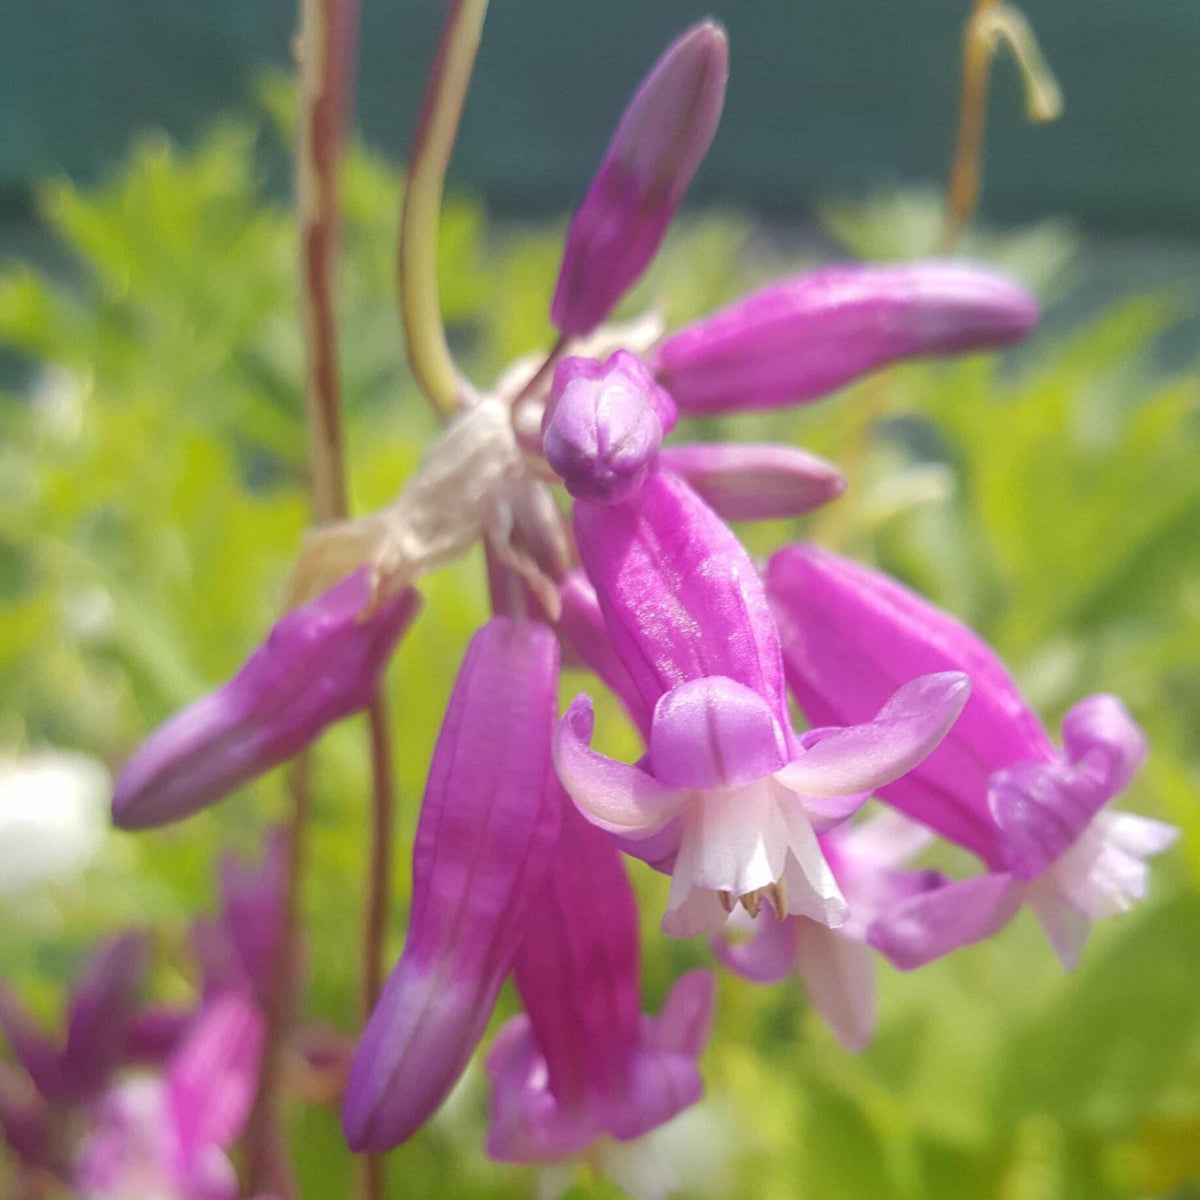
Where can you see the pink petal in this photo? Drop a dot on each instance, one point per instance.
(770, 954)
(213, 1076)
(862, 758)
(931, 924)
(616, 797)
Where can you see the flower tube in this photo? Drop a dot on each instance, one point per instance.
(485, 840)
(320, 664)
(805, 337)
(997, 786)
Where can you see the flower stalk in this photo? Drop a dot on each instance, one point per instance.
(991, 23)
(441, 110)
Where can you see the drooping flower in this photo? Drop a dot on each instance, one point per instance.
(164, 1137)
(836, 965)
(687, 615)
(665, 132)
(320, 664)
(805, 337)
(583, 1074)
(486, 836)
(997, 786)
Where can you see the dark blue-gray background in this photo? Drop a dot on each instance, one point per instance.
(827, 97)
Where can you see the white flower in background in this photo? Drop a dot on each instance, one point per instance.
(53, 816)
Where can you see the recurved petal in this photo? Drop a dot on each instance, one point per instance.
(616, 797)
(747, 482)
(483, 851)
(320, 663)
(861, 758)
(1102, 739)
(39, 1056)
(768, 956)
(930, 924)
(685, 1022)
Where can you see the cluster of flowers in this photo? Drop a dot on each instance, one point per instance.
(517, 863)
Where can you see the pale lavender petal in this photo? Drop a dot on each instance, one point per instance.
(101, 1014)
(863, 758)
(744, 482)
(603, 429)
(320, 664)
(805, 337)
(851, 636)
(1066, 927)
(679, 594)
(714, 732)
(931, 924)
(1103, 740)
(616, 797)
(581, 623)
(213, 1077)
(767, 957)
(658, 850)
(663, 135)
(839, 976)
(685, 1022)
(481, 859)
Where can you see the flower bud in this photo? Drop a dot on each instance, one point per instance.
(321, 663)
(805, 337)
(604, 426)
(665, 132)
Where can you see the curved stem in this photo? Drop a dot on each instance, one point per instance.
(441, 110)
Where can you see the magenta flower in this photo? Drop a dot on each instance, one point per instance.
(320, 664)
(584, 1074)
(997, 786)
(687, 614)
(805, 337)
(100, 1017)
(165, 1137)
(482, 857)
(836, 965)
(662, 137)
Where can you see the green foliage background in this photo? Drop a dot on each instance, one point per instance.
(152, 497)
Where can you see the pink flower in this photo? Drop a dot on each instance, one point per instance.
(997, 785)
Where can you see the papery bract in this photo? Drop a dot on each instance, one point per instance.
(320, 663)
(805, 337)
(483, 851)
(663, 135)
(997, 786)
